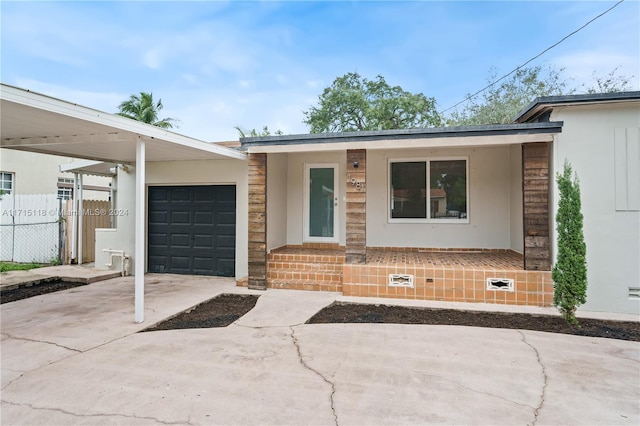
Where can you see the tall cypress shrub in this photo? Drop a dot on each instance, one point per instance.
(570, 271)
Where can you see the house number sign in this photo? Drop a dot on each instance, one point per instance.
(357, 184)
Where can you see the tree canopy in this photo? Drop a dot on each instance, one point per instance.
(353, 103)
(254, 133)
(143, 108)
(502, 101)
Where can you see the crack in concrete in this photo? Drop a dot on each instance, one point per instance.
(70, 413)
(22, 373)
(479, 391)
(294, 339)
(260, 327)
(536, 411)
(45, 342)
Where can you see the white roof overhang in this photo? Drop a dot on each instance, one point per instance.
(90, 167)
(443, 137)
(37, 123)
(455, 142)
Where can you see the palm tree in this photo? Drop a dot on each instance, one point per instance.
(144, 108)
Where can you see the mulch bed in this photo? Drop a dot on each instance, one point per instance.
(217, 312)
(227, 308)
(360, 313)
(36, 289)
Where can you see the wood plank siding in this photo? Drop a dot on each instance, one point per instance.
(258, 221)
(356, 241)
(535, 193)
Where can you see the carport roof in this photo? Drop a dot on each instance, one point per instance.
(34, 122)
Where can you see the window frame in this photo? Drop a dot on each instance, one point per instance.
(12, 176)
(65, 185)
(428, 218)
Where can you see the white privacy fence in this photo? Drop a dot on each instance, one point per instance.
(30, 228)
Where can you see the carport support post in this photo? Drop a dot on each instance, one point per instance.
(139, 231)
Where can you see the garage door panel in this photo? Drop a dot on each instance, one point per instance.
(203, 241)
(158, 217)
(203, 218)
(157, 264)
(225, 242)
(226, 218)
(157, 239)
(192, 230)
(204, 195)
(180, 194)
(180, 240)
(159, 194)
(225, 267)
(180, 217)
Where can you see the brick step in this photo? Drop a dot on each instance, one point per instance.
(307, 258)
(309, 285)
(308, 275)
(305, 266)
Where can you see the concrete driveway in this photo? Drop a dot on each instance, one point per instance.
(74, 357)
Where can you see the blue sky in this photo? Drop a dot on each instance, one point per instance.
(221, 64)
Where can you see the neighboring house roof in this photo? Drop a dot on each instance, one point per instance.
(39, 123)
(498, 134)
(537, 109)
(437, 192)
(229, 144)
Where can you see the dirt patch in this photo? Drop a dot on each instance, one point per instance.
(36, 289)
(217, 312)
(360, 313)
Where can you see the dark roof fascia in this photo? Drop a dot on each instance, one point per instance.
(431, 133)
(541, 104)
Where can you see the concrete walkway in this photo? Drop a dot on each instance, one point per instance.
(73, 273)
(74, 357)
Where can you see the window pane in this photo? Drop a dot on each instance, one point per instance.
(448, 189)
(408, 190)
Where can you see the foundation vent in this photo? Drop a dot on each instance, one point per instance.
(634, 293)
(504, 284)
(401, 280)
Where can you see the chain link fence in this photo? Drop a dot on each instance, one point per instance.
(31, 229)
(31, 242)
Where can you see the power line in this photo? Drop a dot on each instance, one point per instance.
(532, 59)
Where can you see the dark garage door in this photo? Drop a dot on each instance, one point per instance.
(192, 230)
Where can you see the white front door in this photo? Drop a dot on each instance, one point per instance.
(321, 202)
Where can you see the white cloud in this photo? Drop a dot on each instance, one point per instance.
(153, 58)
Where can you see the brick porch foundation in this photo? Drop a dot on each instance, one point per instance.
(454, 275)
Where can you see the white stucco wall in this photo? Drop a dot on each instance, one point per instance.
(206, 172)
(489, 204)
(612, 237)
(495, 204)
(122, 237)
(295, 191)
(38, 173)
(276, 200)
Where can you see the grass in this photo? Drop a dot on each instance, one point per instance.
(10, 266)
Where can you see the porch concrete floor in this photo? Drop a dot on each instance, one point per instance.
(504, 260)
(475, 259)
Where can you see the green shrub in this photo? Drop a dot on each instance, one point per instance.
(570, 271)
